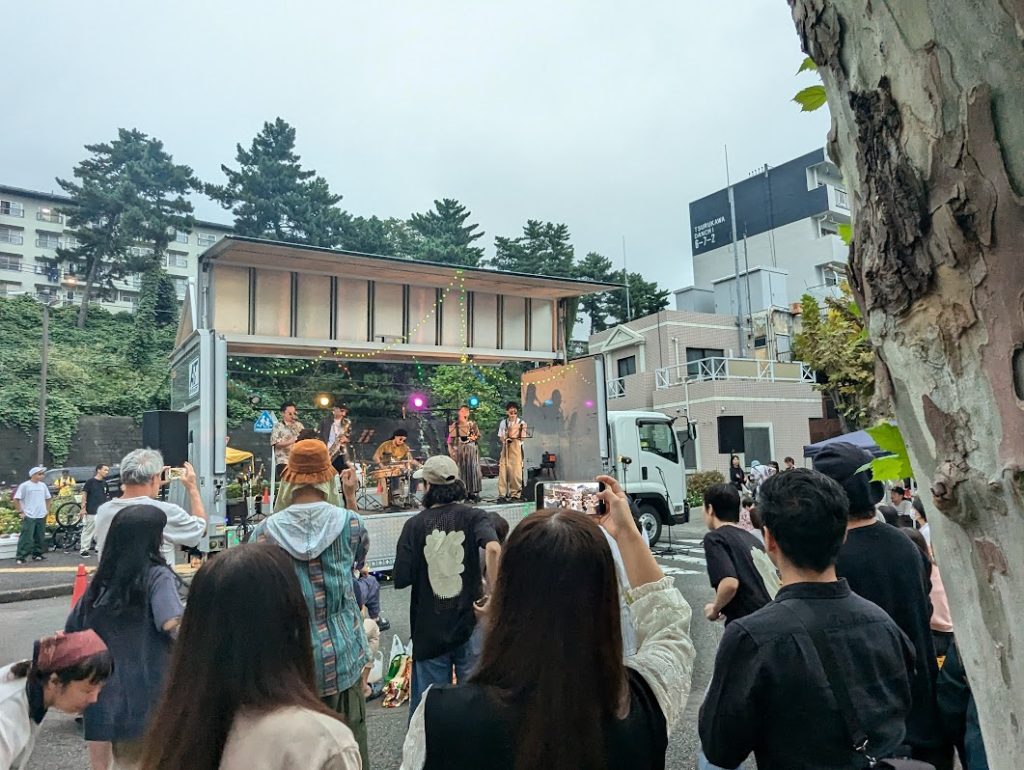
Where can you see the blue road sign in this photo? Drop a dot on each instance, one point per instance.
(264, 423)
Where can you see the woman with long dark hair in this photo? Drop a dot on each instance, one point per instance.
(737, 476)
(133, 604)
(241, 694)
(551, 689)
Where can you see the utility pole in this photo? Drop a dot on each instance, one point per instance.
(42, 385)
(625, 280)
(736, 261)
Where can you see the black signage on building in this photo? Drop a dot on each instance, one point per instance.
(710, 226)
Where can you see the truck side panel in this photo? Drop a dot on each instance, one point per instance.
(561, 406)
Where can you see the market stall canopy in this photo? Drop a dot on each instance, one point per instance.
(278, 299)
(235, 456)
(859, 438)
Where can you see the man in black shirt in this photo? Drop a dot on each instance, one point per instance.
(95, 490)
(438, 555)
(741, 574)
(886, 568)
(769, 693)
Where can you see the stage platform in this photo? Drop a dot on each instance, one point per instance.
(385, 528)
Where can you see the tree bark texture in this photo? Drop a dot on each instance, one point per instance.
(927, 103)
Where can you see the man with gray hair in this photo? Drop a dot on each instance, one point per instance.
(142, 472)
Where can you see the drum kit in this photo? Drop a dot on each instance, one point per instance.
(370, 475)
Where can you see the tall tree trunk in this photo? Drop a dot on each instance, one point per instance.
(83, 310)
(927, 100)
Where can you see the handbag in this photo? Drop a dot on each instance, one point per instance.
(858, 738)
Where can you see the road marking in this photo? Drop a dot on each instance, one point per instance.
(679, 571)
(686, 558)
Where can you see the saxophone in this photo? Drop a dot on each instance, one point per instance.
(338, 446)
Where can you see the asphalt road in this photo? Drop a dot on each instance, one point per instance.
(60, 746)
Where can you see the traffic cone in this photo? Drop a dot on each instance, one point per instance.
(266, 498)
(80, 584)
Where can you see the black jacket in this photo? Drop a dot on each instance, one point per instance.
(769, 694)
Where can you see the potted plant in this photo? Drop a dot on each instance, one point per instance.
(10, 529)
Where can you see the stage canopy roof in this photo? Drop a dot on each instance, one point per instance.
(280, 299)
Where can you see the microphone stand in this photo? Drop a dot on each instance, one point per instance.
(670, 550)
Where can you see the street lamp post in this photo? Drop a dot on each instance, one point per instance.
(41, 448)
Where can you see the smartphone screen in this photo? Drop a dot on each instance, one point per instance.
(577, 495)
(175, 473)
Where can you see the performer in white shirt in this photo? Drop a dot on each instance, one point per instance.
(511, 432)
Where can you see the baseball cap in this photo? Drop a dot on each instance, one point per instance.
(841, 462)
(38, 469)
(438, 470)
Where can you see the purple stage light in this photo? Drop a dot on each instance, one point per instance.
(417, 402)
(589, 404)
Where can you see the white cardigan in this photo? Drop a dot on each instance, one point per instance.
(17, 730)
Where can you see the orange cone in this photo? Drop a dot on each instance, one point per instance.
(80, 584)
(266, 498)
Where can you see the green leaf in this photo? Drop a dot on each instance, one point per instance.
(811, 98)
(897, 464)
(887, 468)
(808, 65)
(845, 232)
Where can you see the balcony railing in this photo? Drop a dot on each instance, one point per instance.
(713, 369)
(617, 388)
(8, 236)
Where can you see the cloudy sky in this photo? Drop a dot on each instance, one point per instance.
(608, 116)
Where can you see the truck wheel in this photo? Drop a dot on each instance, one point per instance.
(650, 521)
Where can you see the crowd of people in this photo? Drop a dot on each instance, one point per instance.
(838, 647)
(846, 654)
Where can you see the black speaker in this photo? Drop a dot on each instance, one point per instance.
(168, 432)
(730, 435)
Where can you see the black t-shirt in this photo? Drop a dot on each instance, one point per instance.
(728, 551)
(883, 565)
(438, 556)
(95, 494)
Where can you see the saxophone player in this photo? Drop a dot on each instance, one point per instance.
(335, 431)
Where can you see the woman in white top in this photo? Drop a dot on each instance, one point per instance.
(241, 694)
(552, 688)
(67, 672)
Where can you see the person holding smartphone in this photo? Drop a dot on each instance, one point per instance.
(552, 687)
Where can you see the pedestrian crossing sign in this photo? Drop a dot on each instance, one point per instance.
(264, 423)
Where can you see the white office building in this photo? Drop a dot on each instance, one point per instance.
(32, 229)
(787, 242)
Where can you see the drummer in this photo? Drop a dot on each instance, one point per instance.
(395, 453)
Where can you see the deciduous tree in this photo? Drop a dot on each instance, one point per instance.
(926, 101)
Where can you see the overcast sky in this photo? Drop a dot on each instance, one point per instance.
(608, 116)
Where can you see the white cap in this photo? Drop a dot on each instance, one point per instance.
(37, 469)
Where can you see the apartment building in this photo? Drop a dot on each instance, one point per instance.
(686, 363)
(32, 229)
(787, 221)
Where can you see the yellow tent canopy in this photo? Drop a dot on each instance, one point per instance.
(235, 456)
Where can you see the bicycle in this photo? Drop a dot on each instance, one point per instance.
(67, 527)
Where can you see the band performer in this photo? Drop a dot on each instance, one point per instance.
(284, 435)
(511, 432)
(394, 454)
(336, 431)
(464, 448)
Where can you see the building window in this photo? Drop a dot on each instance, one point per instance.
(12, 235)
(12, 208)
(180, 237)
(626, 366)
(693, 355)
(206, 239)
(179, 286)
(657, 437)
(10, 262)
(70, 242)
(49, 215)
(757, 445)
(46, 240)
(689, 450)
(140, 251)
(9, 288)
(176, 259)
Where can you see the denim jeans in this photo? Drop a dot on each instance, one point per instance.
(439, 670)
(703, 764)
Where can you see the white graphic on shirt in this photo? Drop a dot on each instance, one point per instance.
(444, 554)
(765, 568)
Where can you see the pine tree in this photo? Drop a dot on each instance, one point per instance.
(272, 196)
(129, 193)
(542, 249)
(444, 235)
